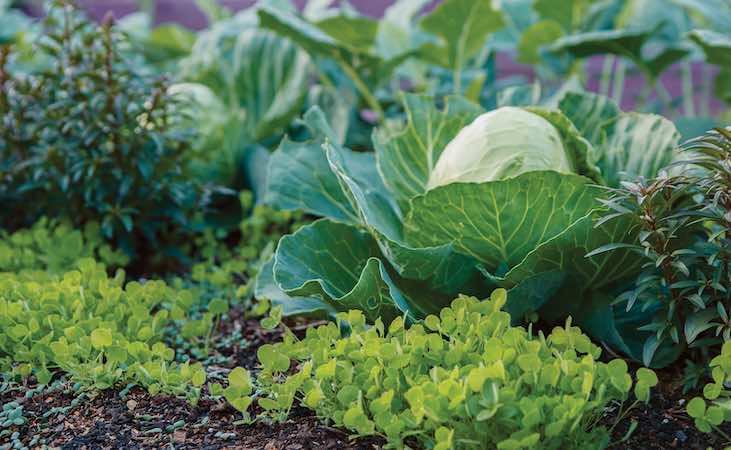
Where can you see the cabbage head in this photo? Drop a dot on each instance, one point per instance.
(500, 144)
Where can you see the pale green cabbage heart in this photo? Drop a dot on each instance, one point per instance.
(500, 144)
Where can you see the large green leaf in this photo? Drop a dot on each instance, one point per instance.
(567, 252)
(589, 112)
(462, 28)
(530, 295)
(356, 33)
(267, 288)
(362, 185)
(342, 265)
(304, 33)
(636, 145)
(270, 80)
(398, 32)
(346, 39)
(717, 13)
(568, 14)
(626, 145)
(538, 35)
(299, 175)
(500, 222)
(628, 43)
(670, 19)
(716, 46)
(406, 159)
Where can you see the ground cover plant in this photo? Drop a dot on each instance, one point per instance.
(302, 226)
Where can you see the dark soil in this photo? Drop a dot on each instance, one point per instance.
(663, 423)
(142, 421)
(136, 420)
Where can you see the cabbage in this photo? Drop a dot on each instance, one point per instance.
(500, 144)
(525, 220)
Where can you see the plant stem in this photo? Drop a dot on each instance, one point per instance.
(687, 80)
(706, 92)
(457, 76)
(360, 85)
(645, 94)
(606, 76)
(664, 96)
(618, 82)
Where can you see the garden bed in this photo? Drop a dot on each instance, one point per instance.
(136, 420)
(272, 232)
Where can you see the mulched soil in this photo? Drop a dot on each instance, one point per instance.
(137, 420)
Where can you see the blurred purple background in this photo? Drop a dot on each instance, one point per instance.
(186, 13)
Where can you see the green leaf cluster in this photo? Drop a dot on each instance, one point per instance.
(88, 138)
(707, 417)
(230, 270)
(55, 247)
(464, 378)
(96, 329)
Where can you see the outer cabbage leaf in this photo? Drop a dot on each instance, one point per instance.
(267, 288)
(299, 175)
(407, 158)
(500, 222)
(441, 267)
(342, 265)
(636, 145)
(462, 27)
(567, 252)
(626, 145)
(589, 112)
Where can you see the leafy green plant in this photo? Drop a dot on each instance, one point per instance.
(244, 85)
(683, 223)
(55, 247)
(348, 39)
(229, 262)
(708, 418)
(89, 139)
(96, 329)
(462, 379)
(392, 244)
(225, 273)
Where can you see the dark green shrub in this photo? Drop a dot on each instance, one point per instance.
(685, 239)
(88, 138)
